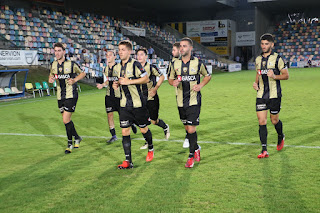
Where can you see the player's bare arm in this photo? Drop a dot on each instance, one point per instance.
(284, 75)
(71, 81)
(255, 84)
(127, 81)
(153, 91)
(198, 87)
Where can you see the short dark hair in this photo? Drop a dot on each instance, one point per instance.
(267, 36)
(126, 43)
(112, 51)
(188, 40)
(143, 50)
(177, 45)
(59, 44)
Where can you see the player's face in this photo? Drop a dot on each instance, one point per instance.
(142, 57)
(266, 46)
(59, 53)
(110, 57)
(185, 48)
(175, 52)
(124, 52)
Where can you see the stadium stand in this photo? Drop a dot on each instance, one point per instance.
(39, 28)
(298, 41)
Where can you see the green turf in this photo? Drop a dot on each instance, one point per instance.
(36, 175)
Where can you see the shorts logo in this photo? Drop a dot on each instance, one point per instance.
(274, 112)
(261, 106)
(109, 109)
(124, 123)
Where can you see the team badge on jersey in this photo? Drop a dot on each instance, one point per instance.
(185, 69)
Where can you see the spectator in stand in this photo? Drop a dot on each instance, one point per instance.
(150, 52)
(103, 56)
(237, 58)
(71, 51)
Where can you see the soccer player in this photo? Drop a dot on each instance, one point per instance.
(175, 55)
(270, 70)
(67, 73)
(185, 76)
(112, 99)
(133, 103)
(150, 91)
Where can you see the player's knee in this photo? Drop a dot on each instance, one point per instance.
(154, 122)
(262, 121)
(125, 131)
(144, 130)
(66, 120)
(274, 121)
(191, 129)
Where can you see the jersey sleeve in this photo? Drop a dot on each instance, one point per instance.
(171, 71)
(203, 69)
(155, 71)
(281, 64)
(105, 72)
(77, 69)
(169, 68)
(139, 70)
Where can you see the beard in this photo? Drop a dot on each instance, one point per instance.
(267, 51)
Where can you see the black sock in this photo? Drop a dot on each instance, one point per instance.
(162, 124)
(278, 128)
(187, 135)
(126, 143)
(113, 132)
(69, 130)
(74, 132)
(263, 132)
(148, 137)
(193, 143)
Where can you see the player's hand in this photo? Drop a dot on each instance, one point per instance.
(115, 85)
(124, 81)
(197, 87)
(255, 86)
(51, 79)
(99, 86)
(270, 74)
(176, 83)
(71, 81)
(152, 92)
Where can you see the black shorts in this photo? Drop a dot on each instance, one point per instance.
(130, 115)
(190, 115)
(68, 105)
(112, 104)
(153, 108)
(274, 105)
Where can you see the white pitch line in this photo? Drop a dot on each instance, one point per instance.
(162, 140)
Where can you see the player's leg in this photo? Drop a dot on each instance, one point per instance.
(153, 108)
(66, 117)
(263, 132)
(70, 106)
(111, 128)
(193, 114)
(262, 106)
(143, 120)
(111, 106)
(275, 107)
(126, 119)
(183, 118)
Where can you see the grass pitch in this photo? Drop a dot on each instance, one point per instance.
(36, 175)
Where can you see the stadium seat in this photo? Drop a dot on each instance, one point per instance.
(39, 87)
(46, 87)
(8, 90)
(15, 90)
(2, 92)
(30, 89)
